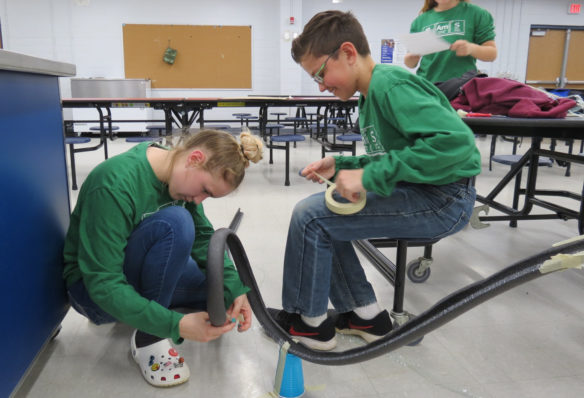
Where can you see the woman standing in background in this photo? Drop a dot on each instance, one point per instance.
(469, 28)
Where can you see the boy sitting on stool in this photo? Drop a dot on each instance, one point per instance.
(417, 174)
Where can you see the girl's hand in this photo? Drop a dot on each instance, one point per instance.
(241, 307)
(196, 326)
(462, 48)
(412, 60)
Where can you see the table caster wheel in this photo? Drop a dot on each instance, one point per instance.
(419, 270)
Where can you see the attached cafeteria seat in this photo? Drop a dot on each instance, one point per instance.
(156, 129)
(269, 129)
(353, 139)
(223, 127)
(278, 114)
(71, 141)
(143, 139)
(103, 135)
(245, 117)
(285, 139)
(296, 122)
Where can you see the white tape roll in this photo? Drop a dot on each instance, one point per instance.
(343, 208)
(338, 207)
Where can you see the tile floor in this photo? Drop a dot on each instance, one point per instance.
(528, 342)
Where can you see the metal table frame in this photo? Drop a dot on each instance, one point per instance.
(537, 130)
(184, 112)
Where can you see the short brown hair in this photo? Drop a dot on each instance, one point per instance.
(326, 31)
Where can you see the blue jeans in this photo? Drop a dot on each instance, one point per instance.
(158, 264)
(320, 261)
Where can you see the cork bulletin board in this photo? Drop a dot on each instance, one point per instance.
(207, 56)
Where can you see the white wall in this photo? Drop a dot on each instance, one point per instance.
(513, 18)
(88, 33)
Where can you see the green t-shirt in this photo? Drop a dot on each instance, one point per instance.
(464, 22)
(410, 133)
(116, 196)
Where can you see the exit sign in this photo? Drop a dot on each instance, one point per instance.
(574, 8)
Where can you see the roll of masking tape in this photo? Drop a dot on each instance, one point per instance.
(343, 207)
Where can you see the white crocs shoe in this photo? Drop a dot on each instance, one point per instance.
(160, 363)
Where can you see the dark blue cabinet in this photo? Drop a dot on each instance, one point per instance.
(34, 207)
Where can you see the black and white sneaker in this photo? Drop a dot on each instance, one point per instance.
(320, 338)
(369, 329)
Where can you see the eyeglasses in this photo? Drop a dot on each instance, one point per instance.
(318, 77)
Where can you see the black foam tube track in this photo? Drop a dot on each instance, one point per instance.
(442, 312)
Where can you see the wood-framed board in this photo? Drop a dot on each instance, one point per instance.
(208, 56)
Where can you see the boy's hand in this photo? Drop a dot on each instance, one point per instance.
(325, 167)
(349, 184)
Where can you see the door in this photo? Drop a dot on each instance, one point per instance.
(556, 57)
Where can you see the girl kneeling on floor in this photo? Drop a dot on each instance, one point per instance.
(137, 246)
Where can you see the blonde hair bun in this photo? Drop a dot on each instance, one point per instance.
(251, 147)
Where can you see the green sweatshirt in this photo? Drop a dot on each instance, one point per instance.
(116, 196)
(410, 133)
(464, 22)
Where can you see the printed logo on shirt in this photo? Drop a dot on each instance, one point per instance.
(371, 141)
(173, 203)
(448, 28)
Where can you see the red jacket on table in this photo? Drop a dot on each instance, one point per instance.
(509, 97)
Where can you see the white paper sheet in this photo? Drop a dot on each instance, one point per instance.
(426, 42)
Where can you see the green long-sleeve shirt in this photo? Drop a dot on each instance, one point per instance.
(466, 21)
(116, 196)
(410, 133)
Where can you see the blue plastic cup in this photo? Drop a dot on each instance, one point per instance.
(293, 379)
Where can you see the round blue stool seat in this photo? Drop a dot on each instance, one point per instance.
(295, 119)
(349, 137)
(156, 128)
(329, 126)
(512, 159)
(77, 140)
(287, 138)
(143, 139)
(97, 128)
(278, 114)
(217, 126)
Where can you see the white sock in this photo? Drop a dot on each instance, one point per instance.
(313, 321)
(369, 311)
